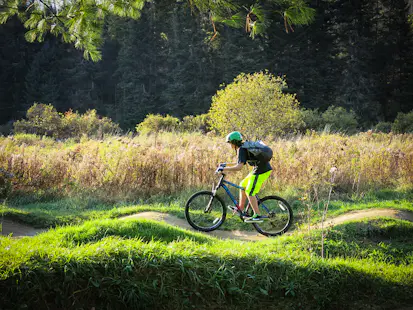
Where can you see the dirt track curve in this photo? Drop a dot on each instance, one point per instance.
(254, 236)
(19, 230)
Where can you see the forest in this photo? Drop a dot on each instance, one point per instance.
(356, 54)
(113, 115)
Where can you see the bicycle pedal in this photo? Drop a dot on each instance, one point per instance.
(250, 220)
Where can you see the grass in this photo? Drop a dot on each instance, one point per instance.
(143, 264)
(43, 213)
(125, 168)
(383, 199)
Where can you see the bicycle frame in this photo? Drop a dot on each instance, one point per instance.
(223, 183)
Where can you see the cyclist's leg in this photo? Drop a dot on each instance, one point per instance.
(253, 187)
(242, 195)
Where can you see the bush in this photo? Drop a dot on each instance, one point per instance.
(383, 127)
(6, 129)
(339, 119)
(255, 105)
(5, 183)
(158, 123)
(192, 123)
(403, 123)
(312, 119)
(89, 123)
(44, 120)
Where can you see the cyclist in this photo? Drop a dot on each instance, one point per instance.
(254, 180)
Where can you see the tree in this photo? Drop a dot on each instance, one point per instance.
(80, 22)
(255, 105)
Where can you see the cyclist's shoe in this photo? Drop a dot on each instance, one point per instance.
(254, 219)
(235, 210)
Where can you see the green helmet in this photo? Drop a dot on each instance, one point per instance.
(234, 137)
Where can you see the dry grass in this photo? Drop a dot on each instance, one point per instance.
(168, 163)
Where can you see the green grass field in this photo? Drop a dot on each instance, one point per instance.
(91, 259)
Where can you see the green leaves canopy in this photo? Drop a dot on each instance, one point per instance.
(80, 22)
(256, 17)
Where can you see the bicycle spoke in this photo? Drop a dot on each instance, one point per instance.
(277, 216)
(204, 211)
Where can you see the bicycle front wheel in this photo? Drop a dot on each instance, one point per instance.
(204, 211)
(277, 214)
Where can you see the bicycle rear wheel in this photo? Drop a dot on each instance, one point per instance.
(277, 214)
(204, 211)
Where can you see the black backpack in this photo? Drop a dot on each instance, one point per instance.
(262, 152)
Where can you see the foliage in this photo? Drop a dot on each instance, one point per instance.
(383, 127)
(178, 72)
(191, 123)
(403, 123)
(255, 105)
(5, 183)
(44, 120)
(158, 123)
(89, 124)
(340, 120)
(6, 129)
(81, 22)
(312, 119)
(77, 22)
(256, 18)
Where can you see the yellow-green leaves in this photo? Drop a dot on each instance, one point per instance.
(255, 105)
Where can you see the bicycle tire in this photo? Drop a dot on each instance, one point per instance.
(280, 216)
(200, 220)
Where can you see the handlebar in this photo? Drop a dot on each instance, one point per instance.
(220, 167)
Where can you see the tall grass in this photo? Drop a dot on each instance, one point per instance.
(168, 163)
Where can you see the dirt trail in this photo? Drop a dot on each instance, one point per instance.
(175, 221)
(19, 230)
(360, 214)
(254, 236)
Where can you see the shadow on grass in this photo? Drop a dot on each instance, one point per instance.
(127, 274)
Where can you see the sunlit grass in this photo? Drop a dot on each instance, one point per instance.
(125, 168)
(140, 263)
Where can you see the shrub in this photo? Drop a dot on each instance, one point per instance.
(339, 119)
(5, 183)
(312, 119)
(44, 120)
(255, 105)
(383, 127)
(192, 123)
(6, 129)
(89, 123)
(158, 123)
(403, 123)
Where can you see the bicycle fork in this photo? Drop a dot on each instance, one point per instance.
(214, 192)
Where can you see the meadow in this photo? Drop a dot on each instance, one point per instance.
(91, 259)
(130, 168)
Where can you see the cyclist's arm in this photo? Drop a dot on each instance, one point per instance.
(237, 167)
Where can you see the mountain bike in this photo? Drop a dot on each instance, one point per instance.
(206, 211)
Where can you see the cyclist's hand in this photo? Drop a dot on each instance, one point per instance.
(219, 170)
